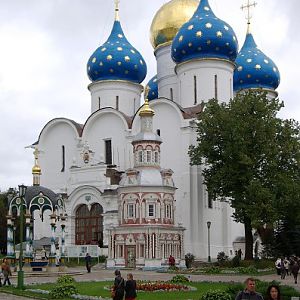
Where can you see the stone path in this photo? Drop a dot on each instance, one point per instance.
(98, 274)
(11, 297)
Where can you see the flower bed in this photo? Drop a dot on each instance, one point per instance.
(161, 286)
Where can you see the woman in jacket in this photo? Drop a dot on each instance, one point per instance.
(130, 288)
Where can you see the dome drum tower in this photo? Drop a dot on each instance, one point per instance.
(204, 50)
(116, 70)
(164, 27)
(121, 95)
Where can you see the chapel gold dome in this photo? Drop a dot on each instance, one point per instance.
(36, 169)
(169, 19)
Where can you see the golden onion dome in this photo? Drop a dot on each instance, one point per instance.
(169, 19)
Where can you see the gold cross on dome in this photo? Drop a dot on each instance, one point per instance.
(248, 7)
(117, 2)
(36, 153)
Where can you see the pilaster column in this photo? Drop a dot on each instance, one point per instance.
(28, 254)
(10, 237)
(52, 249)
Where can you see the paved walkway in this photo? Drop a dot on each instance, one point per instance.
(103, 275)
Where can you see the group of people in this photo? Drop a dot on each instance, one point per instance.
(288, 266)
(249, 293)
(123, 288)
(5, 272)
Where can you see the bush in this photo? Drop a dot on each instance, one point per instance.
(179, 279)
(213, 270)
(65, 287)
(222, 257)
(235, 262)
(189, 259)
(247, 270)
(173, 268)
(66, 279)
(216, 295)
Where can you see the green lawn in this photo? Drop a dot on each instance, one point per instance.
(98, 289)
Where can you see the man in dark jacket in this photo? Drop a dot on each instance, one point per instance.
(88, 261)
(295, 269)
(249, 292)
(119, 286)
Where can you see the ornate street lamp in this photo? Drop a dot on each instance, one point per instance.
(208, 239)
(63, 218)
(21, 200)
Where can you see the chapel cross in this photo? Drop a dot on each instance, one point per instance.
(248, 7)
(36, 153)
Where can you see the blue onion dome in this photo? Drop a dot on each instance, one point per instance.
(204, 36)
(153, 88)
(254, 69)
(117, 59)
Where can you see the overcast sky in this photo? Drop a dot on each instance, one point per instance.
(45, 45)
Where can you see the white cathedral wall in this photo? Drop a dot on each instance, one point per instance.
(166, 77)
(121, 95)
(204, 72)
(109, 125)
(41, 228)
(57, 133)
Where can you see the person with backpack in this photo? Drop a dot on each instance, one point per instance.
(118, 289)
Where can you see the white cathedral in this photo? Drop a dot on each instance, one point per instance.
(125, 174)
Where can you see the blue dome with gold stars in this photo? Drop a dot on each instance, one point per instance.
(153, 88)
(204, 36)
(254, 69)
(117, 59)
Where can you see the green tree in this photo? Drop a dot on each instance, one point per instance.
(3, 213)
(251, 158)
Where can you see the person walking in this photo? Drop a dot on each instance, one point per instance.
(295, 270)
(249, 291)
(88, 261)
(273, 292)
(277, 265)
(118, 287)
(6, 271)
(282, 269)
(130, 288)
(286, 266)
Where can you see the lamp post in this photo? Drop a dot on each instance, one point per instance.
(208, 239)
(63, 227)
(14, 241)
(22, 191)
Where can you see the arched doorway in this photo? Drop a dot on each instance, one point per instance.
(89, 225)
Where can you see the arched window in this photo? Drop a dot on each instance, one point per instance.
(156, 156)
(89, 225)
(148, 155)
(140, 156)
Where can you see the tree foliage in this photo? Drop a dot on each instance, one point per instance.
(251, 158)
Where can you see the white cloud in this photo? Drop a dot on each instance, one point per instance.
(45, 46)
